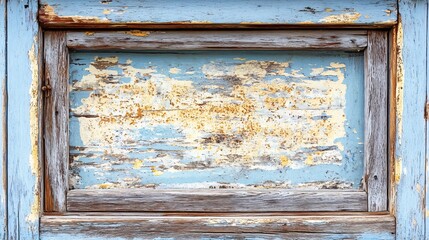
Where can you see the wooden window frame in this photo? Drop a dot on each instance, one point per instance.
(58, 198)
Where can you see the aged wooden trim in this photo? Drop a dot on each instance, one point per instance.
(376, 124)
(56, 112)
(290, 226)
(391, 186)
(219, 14)
(228, 200)
(215, 40)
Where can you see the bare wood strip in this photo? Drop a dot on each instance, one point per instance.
(213, 40)
(129, 226)
(376, 124)
(140, 200)
(56, 112)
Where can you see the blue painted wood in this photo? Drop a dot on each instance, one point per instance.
(427, 131)
(411, 125)
(192, 129)
(3, 173)
(308, 12)
(23, 167)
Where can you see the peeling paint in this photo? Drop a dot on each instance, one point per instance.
(221, 115)
(50, 15)
(398, 170)
(34, 130)
(342, 18)
(138, 33)
(400, 83)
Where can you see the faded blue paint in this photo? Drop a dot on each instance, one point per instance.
(3, 173)
(411, 135)
(225, 12)
(164, 139)
(23, 185)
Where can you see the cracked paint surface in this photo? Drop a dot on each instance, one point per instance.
(219, 119)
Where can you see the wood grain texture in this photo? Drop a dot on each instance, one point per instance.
(56, 112)
(177, 227)
(411, 125)
(223, 13)
(376, 89)
(3, 137)
(23, 120)
(215, 40)
(214, 200)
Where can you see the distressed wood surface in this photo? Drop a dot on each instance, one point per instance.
(411, 125)
(376, 123)
(224, 119)
(56, 111)
(391, 183)
(178, 227)
(223, 13)
(214, 40)
(23, 86)
(214, 200)
(3, 140)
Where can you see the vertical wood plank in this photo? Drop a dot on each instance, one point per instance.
(376, 120)
(392, 118)
(22, 119)
(411, 125)
(56, 112)
(427, 130)
(3, 172)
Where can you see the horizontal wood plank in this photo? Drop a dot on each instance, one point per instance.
(296, 227)
(222, 13)
(139, 200)
(214, 40)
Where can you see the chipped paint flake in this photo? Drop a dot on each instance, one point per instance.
(138, 33)
(174, 70)
(342, 18)
(137, 164)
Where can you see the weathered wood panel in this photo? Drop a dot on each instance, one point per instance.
(296, 227)
(226, 200)
(376, 123)
(222, 13)
(411, 125)
(216, 40)
(56, 121)
(3, 140)
(23, 100)
(218, 119)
